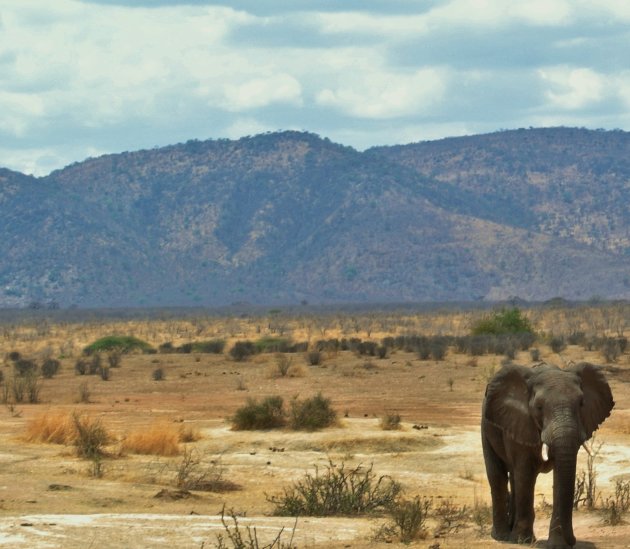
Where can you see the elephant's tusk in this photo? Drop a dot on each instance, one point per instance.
(545, 452)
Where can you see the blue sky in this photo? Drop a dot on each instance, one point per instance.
(84, 78)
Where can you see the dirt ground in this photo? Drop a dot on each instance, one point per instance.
(50, 498)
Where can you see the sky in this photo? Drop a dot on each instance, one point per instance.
(83, 78)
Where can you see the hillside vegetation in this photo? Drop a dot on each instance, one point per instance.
(289, 217)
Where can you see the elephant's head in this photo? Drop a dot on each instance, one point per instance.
(552, 412)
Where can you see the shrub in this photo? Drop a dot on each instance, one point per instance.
(24, 388)
(84, 393)
(390, 422)
(272, 345)
(505, 321)
(166, 348)
(611, 349)
(381, 351)
(122, 344)
(81, 367)
(215, 346)
(268, 414)
(114, 358)
(14, 356)
(283, 365)
(557, 344)
(616, 506)
(90, 437)
(337, 491)
(24, 367)
(535, 354)
(94, 366)
(408, 520)
(248, 538)
(193, 474)
(104, 372)
(437, 347)
(451, 517)
(50, 367)
(368, 348)
(242, 350)
(311, 414)
(314, 358)
(160, 439)
(158, 374)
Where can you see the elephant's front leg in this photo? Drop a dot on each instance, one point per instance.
(523, 525)
(498, 480)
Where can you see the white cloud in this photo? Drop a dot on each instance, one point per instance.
(261, 92)
(496, 13)
(18, 110)
(79, 75)
(246, 126)
(386, 95)
(573, 88)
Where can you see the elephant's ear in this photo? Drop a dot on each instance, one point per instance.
(507, 404)
(598, 399)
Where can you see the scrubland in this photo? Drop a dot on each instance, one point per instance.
(140, 446)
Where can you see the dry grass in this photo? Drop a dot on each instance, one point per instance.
(51, 428)
(188, 433)
(160, 439)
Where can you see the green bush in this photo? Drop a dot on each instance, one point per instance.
(123, 344)
(268, 414)
(337, 491)
(272, 345)
(242, 350)
(312, 414)
(505, 321)
(215, 346)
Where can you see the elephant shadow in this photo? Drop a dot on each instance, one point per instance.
(542, 544)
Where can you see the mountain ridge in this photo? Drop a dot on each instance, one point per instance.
(289, 216)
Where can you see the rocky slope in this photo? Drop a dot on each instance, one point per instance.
(287, 217)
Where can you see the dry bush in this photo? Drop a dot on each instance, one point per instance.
(188, 433)
(90, 437)
(51, 428)
(160, 439)
(83, 393)
(451, 517)
(390, 421)
(337, 492)
(248, 538)
(407, 522)
(193, 473)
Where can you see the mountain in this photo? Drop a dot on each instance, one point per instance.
(287, 217)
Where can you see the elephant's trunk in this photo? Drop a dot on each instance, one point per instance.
(565, 457)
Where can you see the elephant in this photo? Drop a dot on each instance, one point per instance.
(534, 420)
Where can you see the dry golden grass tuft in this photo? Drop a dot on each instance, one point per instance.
(51, 428)
(160, 439)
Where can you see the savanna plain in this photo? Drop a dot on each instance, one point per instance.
(156, 435)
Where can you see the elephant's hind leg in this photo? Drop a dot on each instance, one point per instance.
(498, 480)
